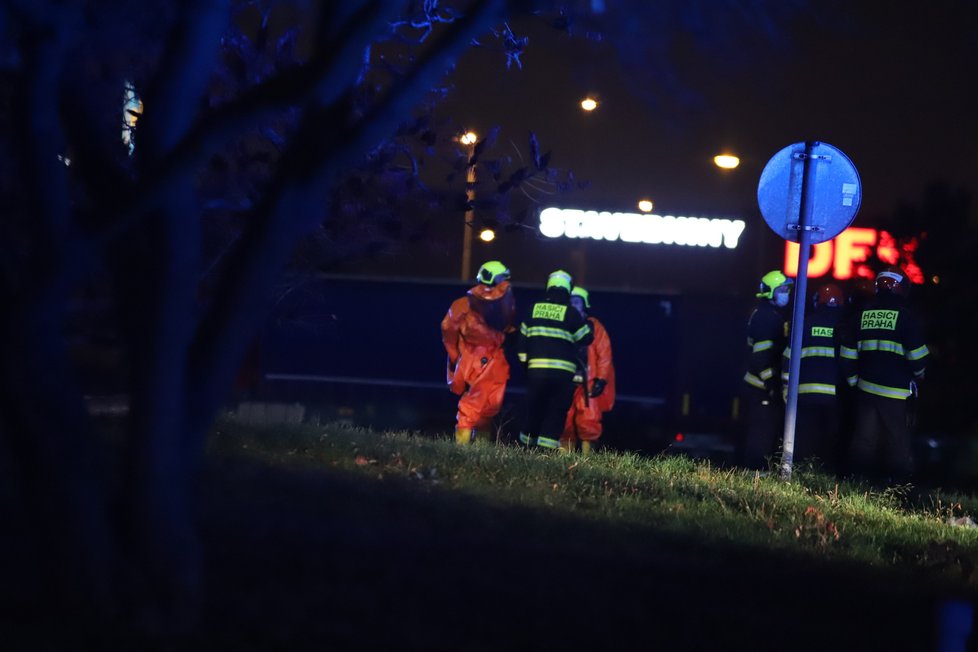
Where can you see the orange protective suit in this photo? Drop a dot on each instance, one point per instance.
(584, 420)
(473, 331)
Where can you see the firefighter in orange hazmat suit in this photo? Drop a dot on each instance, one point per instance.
(598, 381)
(473, 331)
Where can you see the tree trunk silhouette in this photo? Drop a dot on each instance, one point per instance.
(44, 416)
(128, 550)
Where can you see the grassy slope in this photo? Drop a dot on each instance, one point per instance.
(360, 540)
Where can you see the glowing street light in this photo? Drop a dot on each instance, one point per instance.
(726, 161)
(468, 138)
(645, 205)
(589, 104)
(487, 235)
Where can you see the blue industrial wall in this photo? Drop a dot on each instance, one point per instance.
(370, 352)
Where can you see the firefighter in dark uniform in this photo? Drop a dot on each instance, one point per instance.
(549, 342)
(821, 377)
(890, 356)
(859, 292)
(766, 337)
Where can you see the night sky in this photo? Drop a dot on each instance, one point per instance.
(893, 89)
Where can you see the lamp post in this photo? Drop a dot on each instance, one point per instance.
(469, 139)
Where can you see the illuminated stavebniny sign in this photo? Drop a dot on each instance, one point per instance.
(640, 227)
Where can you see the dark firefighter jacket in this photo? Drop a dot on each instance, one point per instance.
(889, 351)
(766, 338)
(822, 368)
(550, 338)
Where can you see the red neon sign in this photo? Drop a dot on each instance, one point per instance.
(845, 255)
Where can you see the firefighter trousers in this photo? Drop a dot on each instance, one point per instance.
(765, 425)
(547, 399)
(816, 429)
(881, 442)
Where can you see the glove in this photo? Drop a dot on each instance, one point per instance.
(598, 387)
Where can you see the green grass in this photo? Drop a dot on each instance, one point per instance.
(901, 529)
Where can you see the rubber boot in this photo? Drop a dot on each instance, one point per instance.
(484, 436)
(585, 447)
(463, 436)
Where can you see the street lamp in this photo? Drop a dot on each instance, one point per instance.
(487, 235)
(469, 139)
(645, 205)
(589, 104)
(726, 161)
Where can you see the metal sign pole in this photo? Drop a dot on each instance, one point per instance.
(798, 312)
(808, 210)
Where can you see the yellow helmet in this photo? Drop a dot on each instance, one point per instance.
(492, 272)
(773, 279)
(559, 279)
(578, 291)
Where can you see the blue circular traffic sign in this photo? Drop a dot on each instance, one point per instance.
(833, 191)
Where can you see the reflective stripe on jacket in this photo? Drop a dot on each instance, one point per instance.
(549, 339)
(889, 349)
(821, 366)
(766, 339)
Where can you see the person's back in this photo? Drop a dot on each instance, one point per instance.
(552, 335)
(821, 377)
(549, 340)
(890, 356)
(483, 316)
(891, 347)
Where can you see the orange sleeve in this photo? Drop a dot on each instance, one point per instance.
(509, 310)
(601, 346)
(451, 326)
(601, 365)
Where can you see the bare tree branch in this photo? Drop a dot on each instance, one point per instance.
(291, 207)
(54, 441)
(213, 130)
(174, 96)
